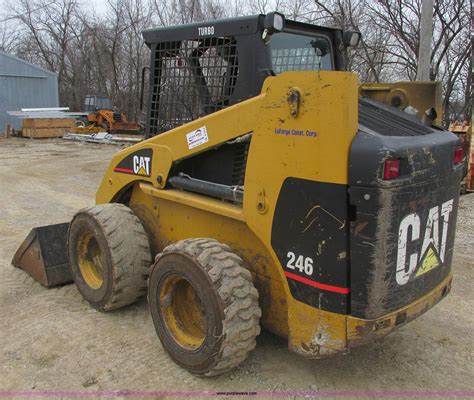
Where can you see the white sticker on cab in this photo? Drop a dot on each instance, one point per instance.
(197, 137)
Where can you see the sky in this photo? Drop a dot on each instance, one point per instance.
(99, 6)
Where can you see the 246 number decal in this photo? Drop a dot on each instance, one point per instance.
(300, 263)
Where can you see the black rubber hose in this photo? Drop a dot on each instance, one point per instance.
(232, 193)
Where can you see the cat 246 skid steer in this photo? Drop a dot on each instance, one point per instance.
(272, 190)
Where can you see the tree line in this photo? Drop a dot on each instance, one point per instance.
(104, 53)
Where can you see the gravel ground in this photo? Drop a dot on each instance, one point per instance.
(51, 340)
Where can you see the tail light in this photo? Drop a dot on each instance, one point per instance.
(458, 153)
(391, 169)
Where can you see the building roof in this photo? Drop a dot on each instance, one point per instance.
(23, 62)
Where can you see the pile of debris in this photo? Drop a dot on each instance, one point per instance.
(39, 123)
(102, 137)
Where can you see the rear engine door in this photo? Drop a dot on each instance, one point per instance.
(404, 191)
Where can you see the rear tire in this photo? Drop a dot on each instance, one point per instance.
(204, 306)
(109, 255)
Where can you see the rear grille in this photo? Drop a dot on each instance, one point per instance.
(389, 121)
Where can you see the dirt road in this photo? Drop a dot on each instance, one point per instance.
(52, 340)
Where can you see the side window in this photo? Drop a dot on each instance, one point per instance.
(294, 52)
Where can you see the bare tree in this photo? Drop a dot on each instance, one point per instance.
(391, 39)
(104, 55)
(9, 37)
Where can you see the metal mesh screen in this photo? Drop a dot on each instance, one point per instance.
(302, 59)
(294, 52)
(191, 78)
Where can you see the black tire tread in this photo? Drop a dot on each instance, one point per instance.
(129, 250)
(233, 283)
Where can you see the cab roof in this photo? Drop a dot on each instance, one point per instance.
(237, 26)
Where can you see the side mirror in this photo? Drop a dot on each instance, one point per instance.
(351, 38)
(320, 46)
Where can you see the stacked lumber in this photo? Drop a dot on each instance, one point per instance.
(47, 127)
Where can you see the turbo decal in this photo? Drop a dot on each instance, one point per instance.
(138, 163)
(433, 248)
(206, 30)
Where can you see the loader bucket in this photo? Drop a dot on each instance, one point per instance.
(43, 254)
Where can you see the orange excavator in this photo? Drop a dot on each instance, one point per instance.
(101, 114)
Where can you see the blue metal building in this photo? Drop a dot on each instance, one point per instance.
(24, 85)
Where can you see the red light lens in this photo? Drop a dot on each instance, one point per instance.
(391, 169)
(458, 153)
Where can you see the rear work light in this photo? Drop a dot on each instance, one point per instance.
(458, 153)
(391, 169)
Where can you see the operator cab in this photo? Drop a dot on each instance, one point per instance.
(94, 103)
(199, 68)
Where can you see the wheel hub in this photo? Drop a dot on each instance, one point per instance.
(90, 263)
(183, 312)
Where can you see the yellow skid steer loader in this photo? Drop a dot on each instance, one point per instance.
(272, 191)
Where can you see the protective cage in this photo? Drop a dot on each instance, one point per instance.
(191, 78)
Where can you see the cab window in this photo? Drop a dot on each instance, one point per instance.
(297, 52)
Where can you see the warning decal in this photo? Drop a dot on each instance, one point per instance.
(429, 261)
(197, 138)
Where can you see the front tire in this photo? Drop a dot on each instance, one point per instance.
(109, 255)
(204, 306)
